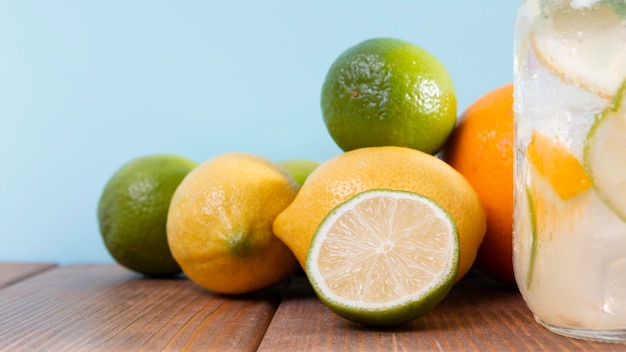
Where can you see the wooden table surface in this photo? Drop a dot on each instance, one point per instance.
(44, 307)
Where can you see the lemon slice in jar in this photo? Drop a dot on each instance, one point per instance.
(582, 46)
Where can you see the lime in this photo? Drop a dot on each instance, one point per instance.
(219, 225)
(132, 212)
(388, 92)
(299, 169)
(384, 257)
(604, 154)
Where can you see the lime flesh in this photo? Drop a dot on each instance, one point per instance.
(384, 257)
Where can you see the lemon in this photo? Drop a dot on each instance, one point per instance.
(132, 212)
(604, 154)
(395, 168)
(572, 43)
(219, 225)
(548, 217)
(388, 92)
(556, 196)
(384, 257)
(299, 169)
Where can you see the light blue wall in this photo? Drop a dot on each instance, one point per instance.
(87, 85)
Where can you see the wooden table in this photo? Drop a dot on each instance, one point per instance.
(107, 308)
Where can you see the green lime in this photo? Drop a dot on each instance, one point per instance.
(132, 212)
(604, 154)
(388, 92)
(299, 169)
(384, 257)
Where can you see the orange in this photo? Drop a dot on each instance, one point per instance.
(481, 149)
(553, 160)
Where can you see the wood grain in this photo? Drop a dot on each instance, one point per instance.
(477, 315)
(13, 272)
(107, 308)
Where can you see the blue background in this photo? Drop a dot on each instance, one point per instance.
(86, 86)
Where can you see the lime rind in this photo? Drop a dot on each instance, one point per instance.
(532, 254)
(391, 313)
(603, 154)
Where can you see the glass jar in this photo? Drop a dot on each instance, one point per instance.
(569, 237)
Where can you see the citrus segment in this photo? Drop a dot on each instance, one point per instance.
(604, 156)
(384, 257)
(549, 216)
(554, 161)
(563, 42)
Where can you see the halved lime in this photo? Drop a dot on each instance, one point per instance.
(384, 257)
(604, 156)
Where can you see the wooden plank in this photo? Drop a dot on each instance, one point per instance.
(107, 308)
(477, 315)
(11, 273)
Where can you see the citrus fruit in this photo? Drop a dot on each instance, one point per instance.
(388, 92)
(604, 154)
(549, 216)
(132, 212)
(563, 41)
(481, 149)
(553, 160)
(555, 197)
(219, 225)
(394, 168)
(384, 257)
(299, 169)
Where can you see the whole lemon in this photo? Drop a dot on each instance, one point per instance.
(132, 212)
(219, 225)
(386, 91)
(393, 168)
